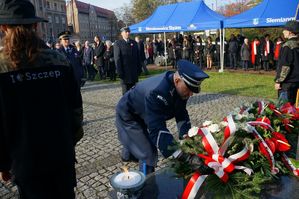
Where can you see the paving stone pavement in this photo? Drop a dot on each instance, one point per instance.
(98, 153)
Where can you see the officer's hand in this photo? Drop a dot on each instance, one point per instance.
(198, 165)
(5, 176)
(194, 161)
(277, 86)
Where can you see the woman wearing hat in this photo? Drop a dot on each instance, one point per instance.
(40, 109)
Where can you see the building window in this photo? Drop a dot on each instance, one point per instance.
(63, 20)
(62, 7)
(57, 19)
(50, 19)
(48, 4)
(55, 6)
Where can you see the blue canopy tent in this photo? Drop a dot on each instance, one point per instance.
(269, 13)
(184, 16)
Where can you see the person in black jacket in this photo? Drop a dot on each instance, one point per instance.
(141, 54)
(109, 60)
(233, 47)
(88, 61)
(287, 77)
(127, 60)
(40, 109)
(99, 51)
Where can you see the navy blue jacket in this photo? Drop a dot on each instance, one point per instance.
(155, 100)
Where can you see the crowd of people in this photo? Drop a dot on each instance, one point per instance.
(240, 53)
(258, 54)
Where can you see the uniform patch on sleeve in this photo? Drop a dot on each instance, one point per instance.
(162, 99)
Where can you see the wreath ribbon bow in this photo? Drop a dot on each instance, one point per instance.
(215, 159)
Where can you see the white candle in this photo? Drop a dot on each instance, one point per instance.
(127, 179)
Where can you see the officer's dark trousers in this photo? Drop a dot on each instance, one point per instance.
(133, 135)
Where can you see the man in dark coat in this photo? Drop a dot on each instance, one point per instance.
(141, 114)
(99, 51)
(127, 60)
(88, 61)
(72, 55)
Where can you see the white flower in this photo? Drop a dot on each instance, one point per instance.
(214, 128)
(193, 131)
(238, 117)
(223, 124)
(207, 123)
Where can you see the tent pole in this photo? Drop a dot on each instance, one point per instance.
(165, 51)
(221, 47)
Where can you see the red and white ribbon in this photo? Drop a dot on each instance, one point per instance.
(269, 154)
(231, 128)
(261, 107)
(193, 185)
(289, 164)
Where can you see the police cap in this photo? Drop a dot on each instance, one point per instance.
(292, 26)
(126, 29)
(191, 74)
(64, 35)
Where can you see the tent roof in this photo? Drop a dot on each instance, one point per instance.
(269, 13)
(185, 16)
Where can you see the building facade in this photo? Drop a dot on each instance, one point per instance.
(86, 21)
(56, 15)
(55, 12)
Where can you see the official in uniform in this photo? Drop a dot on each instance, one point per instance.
(72, 55)
(287, 77)
(127, 60)
(40, 109)
(141, 114)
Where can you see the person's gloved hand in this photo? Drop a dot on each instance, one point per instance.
(194, 161)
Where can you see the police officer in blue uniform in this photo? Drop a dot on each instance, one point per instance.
(141, 114)
(72, 55)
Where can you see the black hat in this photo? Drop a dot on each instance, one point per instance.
(191, 74)
(126, 29)
(64, 35)
(292, 26)
(15, 12)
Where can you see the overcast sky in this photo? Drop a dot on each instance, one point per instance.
(114, 4)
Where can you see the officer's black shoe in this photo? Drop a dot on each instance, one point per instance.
(130, 159)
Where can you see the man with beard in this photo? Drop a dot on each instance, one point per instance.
(141, 114)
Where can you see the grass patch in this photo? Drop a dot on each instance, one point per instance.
(234, 83)
(244, 84)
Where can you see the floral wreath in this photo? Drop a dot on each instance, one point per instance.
(251, 147)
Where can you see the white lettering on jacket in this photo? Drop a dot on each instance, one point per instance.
(31, 76)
